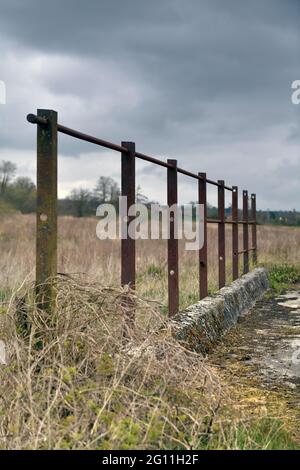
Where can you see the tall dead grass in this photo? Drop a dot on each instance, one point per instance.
(80, 251)
(74, 380)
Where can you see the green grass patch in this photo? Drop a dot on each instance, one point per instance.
(155, 270)
(4, 294)
(282, 276)
(263, 434)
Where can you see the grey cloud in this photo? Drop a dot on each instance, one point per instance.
(198, 81)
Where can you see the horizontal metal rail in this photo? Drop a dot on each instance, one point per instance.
(33, 119)
(246, 251)
(231, 222)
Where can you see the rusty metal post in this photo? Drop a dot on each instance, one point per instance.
(173, 285)
(235, 234)
(46, 212)
(221, 233)
(128, 190)
(202, 196)
(127, 242)
(254, 237)
(245, 232)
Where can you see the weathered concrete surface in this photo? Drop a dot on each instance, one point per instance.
(201, 325)
(279, 338)
(265, 345)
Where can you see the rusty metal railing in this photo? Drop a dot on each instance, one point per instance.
(46, 239)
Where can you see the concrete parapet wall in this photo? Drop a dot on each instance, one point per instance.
(201, 325)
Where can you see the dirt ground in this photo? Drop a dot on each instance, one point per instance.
(260, 358)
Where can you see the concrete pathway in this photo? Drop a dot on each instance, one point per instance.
(265, 345)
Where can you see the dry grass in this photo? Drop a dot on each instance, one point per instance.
(75, 381)
(81, 252)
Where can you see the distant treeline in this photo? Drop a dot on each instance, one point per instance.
(279, 217)
(18, 194)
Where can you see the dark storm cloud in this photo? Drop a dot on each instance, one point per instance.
(206, 81)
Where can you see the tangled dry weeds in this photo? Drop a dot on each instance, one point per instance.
(79, 378)
(74, 380)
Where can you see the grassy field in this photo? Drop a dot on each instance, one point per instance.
(73, 379)
(80, 251)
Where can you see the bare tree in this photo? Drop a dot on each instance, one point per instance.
(140, 197)
(7, 172)
(107, 190)
(80, 199)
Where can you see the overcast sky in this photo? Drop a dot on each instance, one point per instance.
(207, 82)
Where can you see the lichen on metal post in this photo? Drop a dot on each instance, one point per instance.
(128, 191)
(128, 258)
(46, 212)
